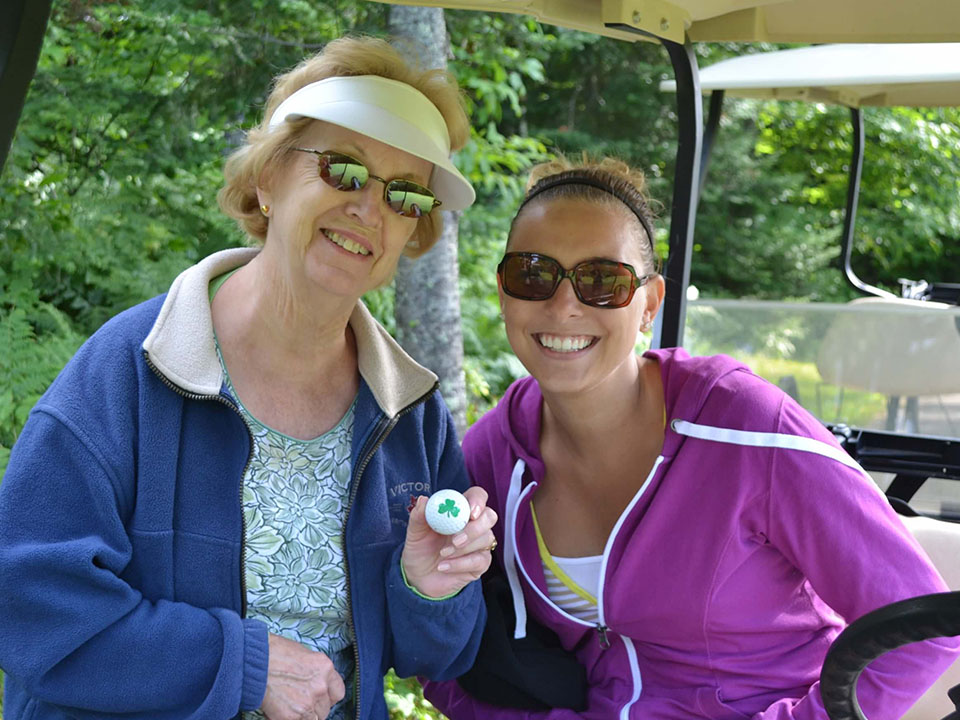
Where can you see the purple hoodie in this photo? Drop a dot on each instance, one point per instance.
(752, 542)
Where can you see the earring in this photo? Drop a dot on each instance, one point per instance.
(645, 326)
(265, 209)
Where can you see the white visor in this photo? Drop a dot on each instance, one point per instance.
(389, 111)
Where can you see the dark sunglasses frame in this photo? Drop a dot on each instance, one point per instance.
(636, 281)
(421, 189)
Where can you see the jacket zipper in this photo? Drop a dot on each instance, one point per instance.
(602, 629)
(543, 595)
(384, 426)
(243, 520)
(604, 640)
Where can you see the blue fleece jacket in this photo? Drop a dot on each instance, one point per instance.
(121, 530)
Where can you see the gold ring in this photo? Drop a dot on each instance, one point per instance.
(493, 546)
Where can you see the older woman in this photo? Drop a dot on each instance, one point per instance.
(218, 506)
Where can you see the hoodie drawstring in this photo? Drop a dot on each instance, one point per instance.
(510, 550)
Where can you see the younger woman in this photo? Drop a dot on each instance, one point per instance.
(693, 535)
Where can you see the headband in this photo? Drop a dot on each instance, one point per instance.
(550, 183)
(390, 111)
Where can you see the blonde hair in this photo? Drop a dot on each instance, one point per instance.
(344, 56)
(627, 191)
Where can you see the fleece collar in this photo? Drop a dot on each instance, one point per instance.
(181, 345)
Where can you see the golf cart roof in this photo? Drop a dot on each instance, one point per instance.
(855, 75)
(811, 21)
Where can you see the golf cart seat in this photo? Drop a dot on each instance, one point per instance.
(941, 541)
(894, 346)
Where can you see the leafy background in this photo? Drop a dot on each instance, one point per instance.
(109, 189)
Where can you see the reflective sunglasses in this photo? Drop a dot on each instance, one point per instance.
(597, 283)
(346, 173)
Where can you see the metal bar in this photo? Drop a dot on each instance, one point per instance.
(669, 329)
(709, 134)
(850, 214)
(923, 456)
(22, 26)
(904, 487)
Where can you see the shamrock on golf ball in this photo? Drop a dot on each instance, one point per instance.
(448, 512)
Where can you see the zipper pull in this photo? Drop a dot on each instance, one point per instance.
(604, 641)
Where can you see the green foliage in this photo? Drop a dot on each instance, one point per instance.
(489, 362)
(405, 700)
(912, 216)
(34, 345)
(760, 232)
(495, 56)
(110, 187)
(908, 210)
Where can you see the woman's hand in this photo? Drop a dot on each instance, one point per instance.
(302, 684)
(439, 565)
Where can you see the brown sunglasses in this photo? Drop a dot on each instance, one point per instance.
(598, 283)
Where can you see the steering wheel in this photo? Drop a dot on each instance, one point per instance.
(878, 632)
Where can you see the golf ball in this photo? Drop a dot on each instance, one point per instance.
(447, 512)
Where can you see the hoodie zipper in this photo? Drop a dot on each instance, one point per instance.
(613, 536)
(603, 630)
(543, 596)
(383, 428)
(604, 640)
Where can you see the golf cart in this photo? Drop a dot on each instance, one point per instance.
(883, 345)
(879, 348)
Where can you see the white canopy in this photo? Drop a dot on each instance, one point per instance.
(804, 21)
(913, 75)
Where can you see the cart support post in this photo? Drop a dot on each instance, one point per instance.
(22, 27)
(668, 331)
(709, 134)
(850, 214)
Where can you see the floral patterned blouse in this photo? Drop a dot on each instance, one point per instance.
(295, 498)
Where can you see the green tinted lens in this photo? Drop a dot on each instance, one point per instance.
(409, 199)
(343, 172)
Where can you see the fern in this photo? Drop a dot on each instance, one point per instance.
(36, 340)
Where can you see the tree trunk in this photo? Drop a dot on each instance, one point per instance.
(428, 293)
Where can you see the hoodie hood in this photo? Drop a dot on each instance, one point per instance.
(687, 383)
